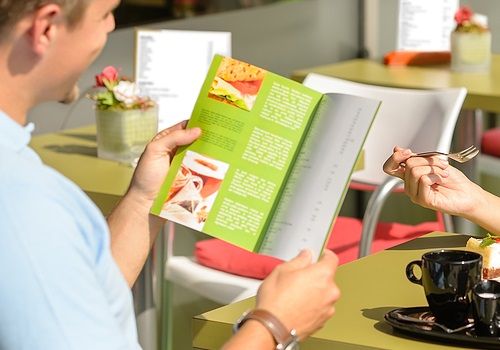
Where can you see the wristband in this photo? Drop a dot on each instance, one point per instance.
(285, 340)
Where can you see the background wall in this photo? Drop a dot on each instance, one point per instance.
(382, 23)
(280, 37)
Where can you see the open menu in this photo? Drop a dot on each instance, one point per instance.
(272, 166)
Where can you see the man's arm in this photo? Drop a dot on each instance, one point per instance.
(133, 229)
(60, 288)
(300, 294)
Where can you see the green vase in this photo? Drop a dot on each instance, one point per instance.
(123, 135)
(470, 52)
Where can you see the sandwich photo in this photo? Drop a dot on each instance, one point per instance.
(237, 83)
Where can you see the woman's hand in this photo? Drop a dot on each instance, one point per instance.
(433, 183)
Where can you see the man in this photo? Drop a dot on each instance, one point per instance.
(66, 272)
(433, 183)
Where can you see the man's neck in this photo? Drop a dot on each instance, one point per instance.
(12, 106)
(15, 97)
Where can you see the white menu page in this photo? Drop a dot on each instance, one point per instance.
(170, 66)
(319, 179)
(425, 25)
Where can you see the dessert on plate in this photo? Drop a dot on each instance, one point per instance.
(489, 248)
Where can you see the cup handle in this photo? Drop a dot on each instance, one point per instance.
(409, 272)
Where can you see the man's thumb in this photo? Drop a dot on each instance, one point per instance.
(303, 259)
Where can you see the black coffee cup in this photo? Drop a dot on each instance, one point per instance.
(486, 308)
(448, 277)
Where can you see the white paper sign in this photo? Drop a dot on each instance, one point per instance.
(425, 25)
(170, 66)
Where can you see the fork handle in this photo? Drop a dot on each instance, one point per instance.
(429, 154)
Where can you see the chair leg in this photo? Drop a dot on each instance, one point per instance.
(145, 307)
(372, 213)
(166, 290)
(448, 223)
(166, 335)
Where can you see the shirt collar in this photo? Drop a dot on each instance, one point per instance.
(13, 135)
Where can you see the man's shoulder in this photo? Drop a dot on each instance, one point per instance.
(39, 202)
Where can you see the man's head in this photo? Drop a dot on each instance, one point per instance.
(46, 44)
(13, 10)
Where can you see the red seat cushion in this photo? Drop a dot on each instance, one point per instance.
(344, 240)
(490, 142)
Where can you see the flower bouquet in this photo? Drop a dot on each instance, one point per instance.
(125, 121)
(470, 42)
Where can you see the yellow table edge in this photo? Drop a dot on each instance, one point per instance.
(213, 328)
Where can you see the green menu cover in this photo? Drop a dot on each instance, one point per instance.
(272, 166)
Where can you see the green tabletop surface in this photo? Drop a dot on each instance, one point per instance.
(73, 153)
(483, 89)
(370, 287)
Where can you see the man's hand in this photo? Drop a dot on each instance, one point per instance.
(301, 294)
(133, 228)
(155, 161)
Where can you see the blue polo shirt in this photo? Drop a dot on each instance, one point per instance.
(59, 285)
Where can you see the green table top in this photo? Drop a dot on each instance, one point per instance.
(370, 287)
(73, 153)
(483, 89)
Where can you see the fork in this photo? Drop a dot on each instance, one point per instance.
(433, 323)
(461, 157)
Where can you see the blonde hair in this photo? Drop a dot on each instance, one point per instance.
(12, 11)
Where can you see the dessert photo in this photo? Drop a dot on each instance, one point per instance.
(194, 189)
(237, 83)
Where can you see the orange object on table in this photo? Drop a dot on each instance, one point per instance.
(416, 58)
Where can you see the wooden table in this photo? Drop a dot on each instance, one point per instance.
(370, 287)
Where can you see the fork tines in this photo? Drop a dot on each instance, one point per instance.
(467, 152)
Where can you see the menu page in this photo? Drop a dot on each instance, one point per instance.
(170, 66)
(228, 182)
(425, 25)
(320, 177)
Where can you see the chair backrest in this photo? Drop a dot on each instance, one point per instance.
(422, 120)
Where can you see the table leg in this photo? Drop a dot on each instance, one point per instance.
(147, 292)
(468, 132)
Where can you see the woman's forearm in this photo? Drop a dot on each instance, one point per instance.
(487, 212)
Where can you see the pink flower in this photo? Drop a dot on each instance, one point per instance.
(464, 14)
(109, 73)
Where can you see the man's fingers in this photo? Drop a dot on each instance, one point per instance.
(169, 139)
(165, 132)
(303, 259)
(330, 259)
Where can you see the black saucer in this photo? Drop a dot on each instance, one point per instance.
(400, 319)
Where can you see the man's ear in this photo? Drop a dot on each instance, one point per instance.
(44, 26)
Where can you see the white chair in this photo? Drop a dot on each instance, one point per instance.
(221, 287)
(417, 119)
(422, 120)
